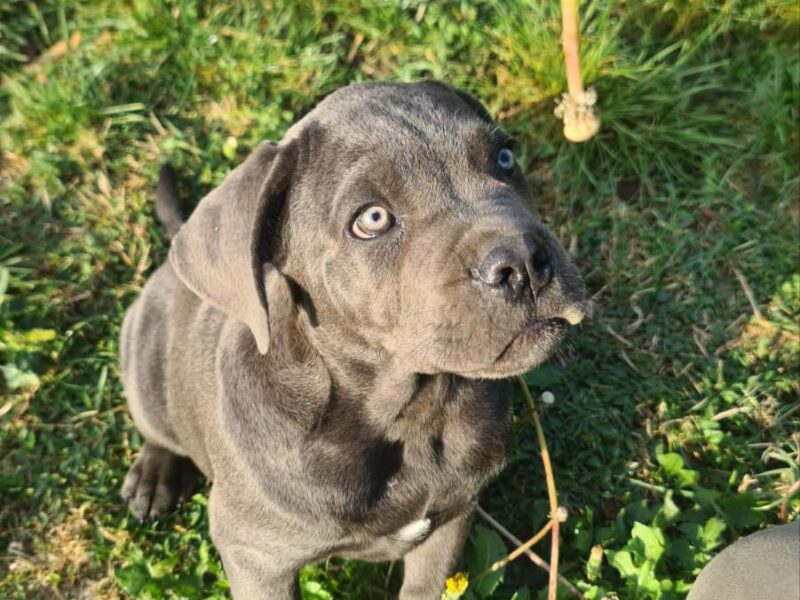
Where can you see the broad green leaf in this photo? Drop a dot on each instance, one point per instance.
(646, 579)
(669, 510)
(595, 592)
(162, 568)
(188, 588)
(738, 510)
(152, 590)
(132, 579)
(706, 497)
(681, 554)
(711, 532)
(522, 593)
(687, 477)
(484, 548)
(651, 538)
(671, 462)
(622, 562)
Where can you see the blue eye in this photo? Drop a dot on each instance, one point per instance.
(505, 160)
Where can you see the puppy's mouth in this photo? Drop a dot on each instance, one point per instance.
(542, 335)
(527, 349)
(533, 344)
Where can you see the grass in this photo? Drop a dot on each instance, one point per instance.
(675, 425)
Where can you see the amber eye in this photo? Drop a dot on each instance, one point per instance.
(372, 221)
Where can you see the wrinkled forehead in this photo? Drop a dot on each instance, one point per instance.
(427, 117)
(401, 135)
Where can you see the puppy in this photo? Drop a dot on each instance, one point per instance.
(331, 339)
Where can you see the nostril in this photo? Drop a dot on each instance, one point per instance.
(505, 274)
(542, 269)
(504, 269)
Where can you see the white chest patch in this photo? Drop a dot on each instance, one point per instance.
(413, 531)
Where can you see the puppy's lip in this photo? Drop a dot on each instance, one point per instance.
(536, 329)
(529, 347)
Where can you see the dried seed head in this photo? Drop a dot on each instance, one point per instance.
(581, 120)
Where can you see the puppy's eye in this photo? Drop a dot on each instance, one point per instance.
(505, 160)
(372, 221)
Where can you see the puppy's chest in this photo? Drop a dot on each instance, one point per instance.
(432, 462)
(452, 451)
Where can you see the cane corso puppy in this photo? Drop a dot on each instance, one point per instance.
(331, 339)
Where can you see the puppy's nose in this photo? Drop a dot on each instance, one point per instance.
(540, 269)
(514, 270)
(502, 268)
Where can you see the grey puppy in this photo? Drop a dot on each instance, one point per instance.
(331, 338)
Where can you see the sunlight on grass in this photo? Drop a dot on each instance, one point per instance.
(675, 429)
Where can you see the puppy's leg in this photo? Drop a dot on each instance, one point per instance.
(157, 481)
(428, 565)
(261, 558)
(256, 576)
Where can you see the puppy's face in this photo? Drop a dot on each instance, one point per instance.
(409, 225)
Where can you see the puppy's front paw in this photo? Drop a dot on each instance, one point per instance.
(157, 481)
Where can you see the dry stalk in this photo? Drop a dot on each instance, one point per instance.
(534, 558)
(551, 490)
(577, 107)
(557, 515)
(748, 292)
(521, 548)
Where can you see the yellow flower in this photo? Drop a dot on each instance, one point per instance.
(456, 585)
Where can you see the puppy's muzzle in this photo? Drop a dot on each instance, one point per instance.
(514, 265)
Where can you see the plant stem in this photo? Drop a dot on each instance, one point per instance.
(577, 107)
(534, 558)
(551, 490)
(569, 41)
(521, 548)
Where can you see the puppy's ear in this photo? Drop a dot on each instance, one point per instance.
(475, 105)
(471, 101)
(219, 253)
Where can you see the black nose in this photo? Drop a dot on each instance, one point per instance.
(513, 271)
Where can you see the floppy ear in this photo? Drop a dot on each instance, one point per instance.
(219, 253)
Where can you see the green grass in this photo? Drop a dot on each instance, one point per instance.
(675, 426)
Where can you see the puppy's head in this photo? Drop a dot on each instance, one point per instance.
(400, 217)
